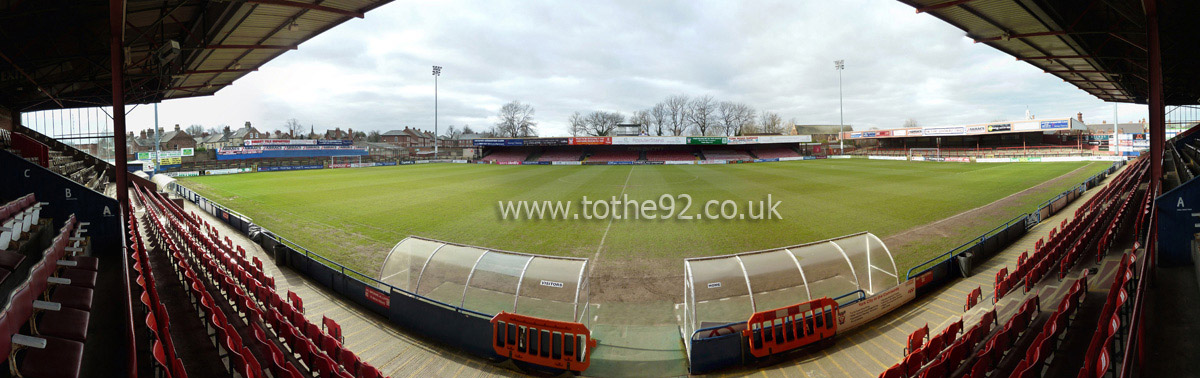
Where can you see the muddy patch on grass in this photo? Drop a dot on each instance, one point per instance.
(904, 242)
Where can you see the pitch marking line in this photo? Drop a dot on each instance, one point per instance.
(592, 265)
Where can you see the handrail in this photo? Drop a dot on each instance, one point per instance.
(132, 338)
(973, 242)
(1136, 316)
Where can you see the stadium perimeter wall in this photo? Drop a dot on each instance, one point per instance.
(471, 331)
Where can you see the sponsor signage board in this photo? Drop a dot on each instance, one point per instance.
(547, 142)
(279, 142)
(1054, 125)
(584, 141)
(1025, 126)
(290, 168)
(943, 130)
(183, 174)
(901, 132)
(379, 297)
(876, 157)
(959, 159)
(999, 127)
(226, 171)
(872, 307)
(166, 154)
(565, 163)
(743, 140)
(976, 129)
(856, 135)
(884, 133)
(649, 140)
(498, 142)
(706, 140)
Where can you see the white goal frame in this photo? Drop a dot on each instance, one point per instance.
(937, 152)
(357, 159)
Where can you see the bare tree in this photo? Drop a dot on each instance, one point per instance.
(294, 128)
(701, 114)
(746, 119)
(727, 117)
(452, 132)
(910, 123)
(643, 119)
(516, 120)
(578, 124)
(659, 115)
(602, 123)
(770, 122)
(195, 130)
(466, 129)
(677, 113)
(732, 117)
(374, 136)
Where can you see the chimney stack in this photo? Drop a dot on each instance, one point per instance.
(143, 134)
(176, 127)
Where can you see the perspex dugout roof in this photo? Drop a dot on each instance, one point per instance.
(489, 280)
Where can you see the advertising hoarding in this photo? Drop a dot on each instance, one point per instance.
(706, 140)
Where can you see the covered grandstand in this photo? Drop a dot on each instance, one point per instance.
(647, 149)
(1026, 138)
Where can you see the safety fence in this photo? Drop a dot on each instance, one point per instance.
(959, 261)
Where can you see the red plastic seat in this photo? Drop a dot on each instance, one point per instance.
(896, 371)
(367, 371)
(350, 361)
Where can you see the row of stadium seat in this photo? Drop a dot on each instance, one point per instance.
(1063, 251)
(157, 321)
(560, 155)
(1097, 361)
(506, 156)
(775, 153)
(671, 155)
(53, 343)
(250, 305)
(58, 157)
(726, 155)
(16, 219)
(606, 156)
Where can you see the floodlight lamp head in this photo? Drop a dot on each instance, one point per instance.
(839, 64)
(437, 70)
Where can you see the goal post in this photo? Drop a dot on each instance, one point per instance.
(927, 152)
(345, 159)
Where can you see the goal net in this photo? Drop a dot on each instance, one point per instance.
(925, 152)
(345, 159)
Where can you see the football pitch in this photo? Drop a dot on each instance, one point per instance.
(355, 216)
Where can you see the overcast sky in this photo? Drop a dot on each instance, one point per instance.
(561, 57)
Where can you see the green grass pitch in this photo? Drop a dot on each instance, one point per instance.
(355, 216)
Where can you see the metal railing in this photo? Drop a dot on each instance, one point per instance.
(928, 264)
(1133, 354)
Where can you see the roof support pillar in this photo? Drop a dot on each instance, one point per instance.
(116, 26)
(1157, 108)
(116, 29)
